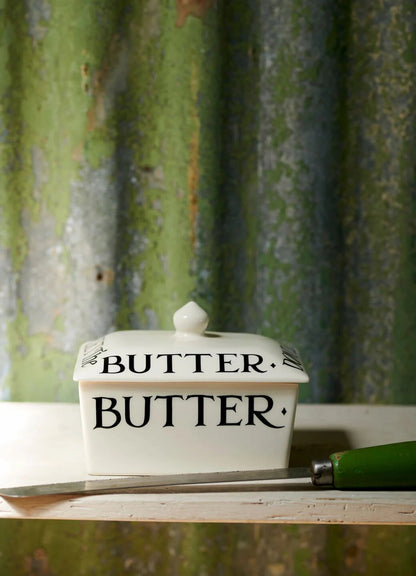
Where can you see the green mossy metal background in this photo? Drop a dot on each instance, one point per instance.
(258, 156)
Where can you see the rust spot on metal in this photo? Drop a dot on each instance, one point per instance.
(85, 77)
(96, 114)
(351, 555)
(186, 8)
(37, 564)
(77, 153)
(104, 275)
(193, 166)
(193, 185)
(90, 120)
(147, 169)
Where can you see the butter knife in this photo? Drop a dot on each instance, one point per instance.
(388, 467)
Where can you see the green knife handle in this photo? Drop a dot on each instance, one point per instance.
(388, 466)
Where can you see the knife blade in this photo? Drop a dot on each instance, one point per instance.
(131, 483)
(390, 466)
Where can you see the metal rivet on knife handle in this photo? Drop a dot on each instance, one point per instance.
(322, 472)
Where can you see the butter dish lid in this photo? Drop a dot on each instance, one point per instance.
(188, 354)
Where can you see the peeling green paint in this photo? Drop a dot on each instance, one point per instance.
(39, 371)
(161, 221)
(110, 548)
(236, 227)
(12, 160)
(378, 207)
(45, 109)
(46, 137)
(370, 550)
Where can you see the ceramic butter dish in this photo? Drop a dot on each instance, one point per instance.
(159, 402)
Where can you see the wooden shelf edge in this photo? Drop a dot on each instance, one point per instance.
(330, 507)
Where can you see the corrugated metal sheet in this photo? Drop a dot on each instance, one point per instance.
(256, 156)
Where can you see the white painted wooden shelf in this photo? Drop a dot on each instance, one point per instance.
(43, 443)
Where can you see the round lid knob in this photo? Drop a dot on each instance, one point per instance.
(190, 320)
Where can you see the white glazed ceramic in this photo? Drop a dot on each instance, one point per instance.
(158, 402)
